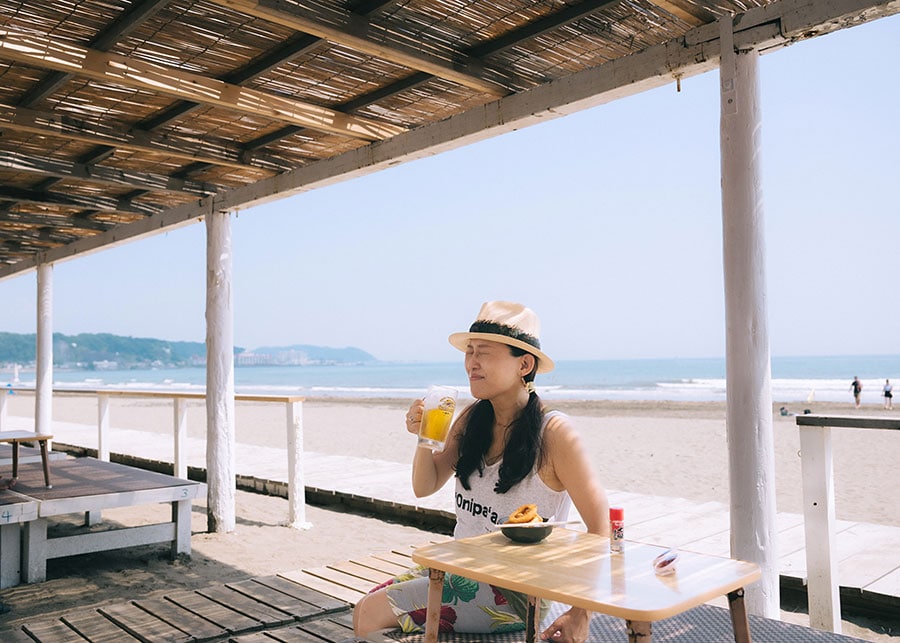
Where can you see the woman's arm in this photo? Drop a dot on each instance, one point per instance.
(568, 467)
(431, 470)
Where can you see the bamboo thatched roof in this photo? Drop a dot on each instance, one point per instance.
(121, 117)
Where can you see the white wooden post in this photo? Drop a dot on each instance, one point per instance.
(43, 387)
(181, 464)
(4, 394)
(95, 516)
(103, 427)
(819, 528)
(11, 561)
(296, 478)
(220, 433)
(748, 396)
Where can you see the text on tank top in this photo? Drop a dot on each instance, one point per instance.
(479, 509)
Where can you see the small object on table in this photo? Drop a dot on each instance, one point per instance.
(532, 532)
(664, 564)
(616, 528)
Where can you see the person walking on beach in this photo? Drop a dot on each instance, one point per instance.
(856, 387)
(504, 450)
(888, 395)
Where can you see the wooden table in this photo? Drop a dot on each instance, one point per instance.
(577, 568)
(17, 437)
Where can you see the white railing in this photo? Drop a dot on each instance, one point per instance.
(296, 482)
(817, 469)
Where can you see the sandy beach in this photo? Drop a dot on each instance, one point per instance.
(659, 448)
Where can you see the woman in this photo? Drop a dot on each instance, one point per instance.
(505, 450)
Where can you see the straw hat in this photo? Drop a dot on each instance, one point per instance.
(508, 323)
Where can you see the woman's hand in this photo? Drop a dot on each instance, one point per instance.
(571, 627)
(414, 416)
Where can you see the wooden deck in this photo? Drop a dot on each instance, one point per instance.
(868, 554)
(314, 606)
(85, 486)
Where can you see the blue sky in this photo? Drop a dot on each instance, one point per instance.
(606, 222)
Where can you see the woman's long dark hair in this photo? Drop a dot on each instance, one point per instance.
(523, 448)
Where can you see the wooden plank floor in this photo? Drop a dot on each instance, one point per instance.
(266, 609)
(868, 554)
(314, 606)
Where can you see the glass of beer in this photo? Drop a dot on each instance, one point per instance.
(440, 404)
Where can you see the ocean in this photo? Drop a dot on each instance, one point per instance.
(794, 379)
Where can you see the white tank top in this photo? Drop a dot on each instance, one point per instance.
(480, 508)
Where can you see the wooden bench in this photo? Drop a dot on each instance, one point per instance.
(15, 438)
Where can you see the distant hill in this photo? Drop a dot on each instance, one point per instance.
(106, 351)
(303, 355)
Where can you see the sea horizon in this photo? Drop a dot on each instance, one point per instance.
(793, 379)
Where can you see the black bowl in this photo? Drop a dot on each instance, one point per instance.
(527, 533)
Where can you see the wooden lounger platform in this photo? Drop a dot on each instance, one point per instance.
(88, 486)
(314, 605)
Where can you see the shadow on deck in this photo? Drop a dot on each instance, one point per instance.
(314, 605)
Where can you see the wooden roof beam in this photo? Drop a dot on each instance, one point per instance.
(697, 51)
(288, 50)
(37, 239)
(109, 132)
(508, 40)
(124, 24)
(298, 45)
(97, 155)
(103, 204)
(100, 175)
(56, 222)
(534, 29)
(369, 7)
(127, 72)
(356, 32)
(683, 11)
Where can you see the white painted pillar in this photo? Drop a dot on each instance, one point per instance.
(43, 385)
(819, 528)
(103, 427)
(220, 432)
(180, 419)
(296, 478)
(749, 397)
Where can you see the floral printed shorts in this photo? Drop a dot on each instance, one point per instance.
(466, 605)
